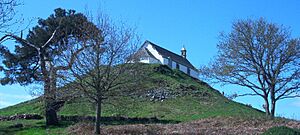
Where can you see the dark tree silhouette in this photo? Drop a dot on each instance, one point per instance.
(36, 59)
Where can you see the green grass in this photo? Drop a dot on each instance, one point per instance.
(200, 102)
(32, 127)
(203, 102)
(282, 130)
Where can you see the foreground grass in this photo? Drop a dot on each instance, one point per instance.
(32, 127)
(214, 126)
(37, 127)
(282, 130)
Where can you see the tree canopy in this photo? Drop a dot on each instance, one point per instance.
(22, 66)
(261, 56)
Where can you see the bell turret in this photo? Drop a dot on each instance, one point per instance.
(183, 52)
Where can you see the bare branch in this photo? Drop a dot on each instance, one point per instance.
(261, 56)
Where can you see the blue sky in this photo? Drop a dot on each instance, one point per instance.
(171, 24)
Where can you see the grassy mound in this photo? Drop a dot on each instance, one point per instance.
(186, 100)
(189, 99)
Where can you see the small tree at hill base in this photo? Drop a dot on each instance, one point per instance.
(102, 71)
(260, 56)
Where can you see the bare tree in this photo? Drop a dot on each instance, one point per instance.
(100, 71)
(7, 13)
(261, 56)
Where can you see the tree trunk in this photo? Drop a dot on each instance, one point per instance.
(49, 96)
(99, 97)
(266, 107)
(273, 109)
(51, 115)
(98, 117)
(273, 101)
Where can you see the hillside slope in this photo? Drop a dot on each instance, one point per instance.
(184, 99)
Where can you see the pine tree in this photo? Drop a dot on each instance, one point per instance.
(36, 59)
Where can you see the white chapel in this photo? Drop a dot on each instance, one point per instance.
(152, 53)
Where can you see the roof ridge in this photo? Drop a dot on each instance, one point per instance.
(157, 48)
(163, 48)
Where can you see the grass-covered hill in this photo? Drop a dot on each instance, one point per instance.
(185, 99)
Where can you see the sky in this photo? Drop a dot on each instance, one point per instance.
(172, 24)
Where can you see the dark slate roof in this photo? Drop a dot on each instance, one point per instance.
(175, 57)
